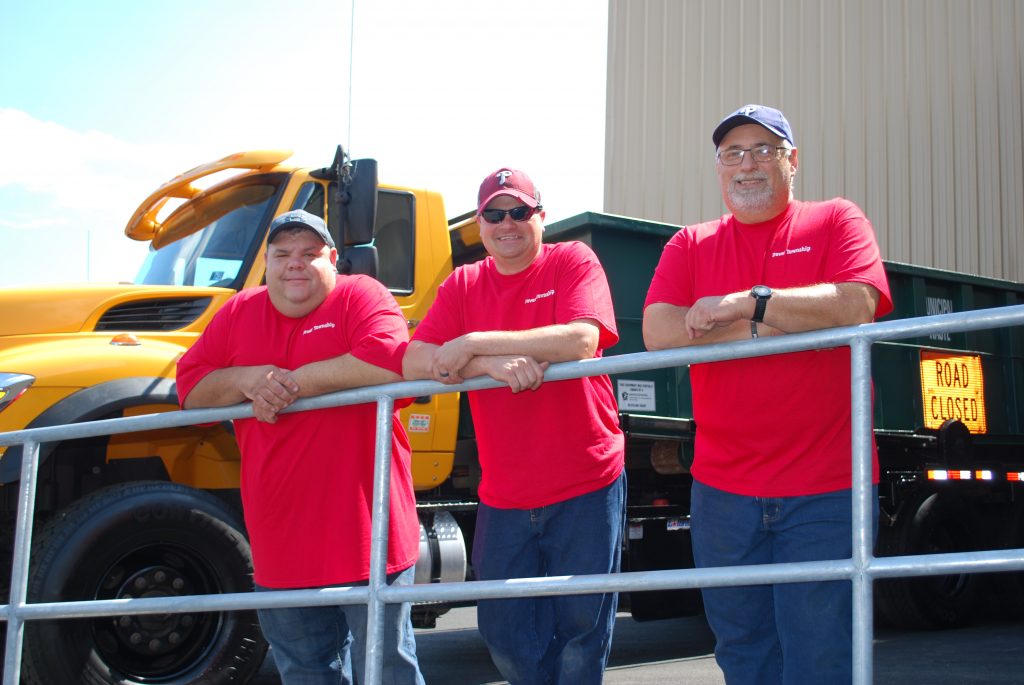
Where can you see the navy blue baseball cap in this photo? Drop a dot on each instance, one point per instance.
(772, 119)
(298, 218)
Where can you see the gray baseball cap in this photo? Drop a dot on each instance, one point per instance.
(298, 218)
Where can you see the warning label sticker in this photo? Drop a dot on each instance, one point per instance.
(419, 423)
(635, 395)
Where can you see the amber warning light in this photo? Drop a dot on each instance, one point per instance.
(953, 387)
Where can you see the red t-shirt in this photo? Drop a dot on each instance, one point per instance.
(563, 439)
(307, 480)
(774, 426)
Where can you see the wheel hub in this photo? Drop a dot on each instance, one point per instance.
(154, 634)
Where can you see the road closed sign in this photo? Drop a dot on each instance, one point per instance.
(953, 387)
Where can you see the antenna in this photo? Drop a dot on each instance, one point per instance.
(341, 170)
(351, 52)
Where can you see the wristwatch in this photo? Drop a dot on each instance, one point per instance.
(760, 293)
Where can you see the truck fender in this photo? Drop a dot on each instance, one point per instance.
(89, 404)
(955, 442)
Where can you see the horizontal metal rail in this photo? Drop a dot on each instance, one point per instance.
(998, 317)
(862, 568)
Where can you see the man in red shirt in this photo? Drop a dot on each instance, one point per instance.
(307, 477)
(771, 482)
(552, 494)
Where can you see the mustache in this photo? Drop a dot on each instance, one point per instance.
(752, 176)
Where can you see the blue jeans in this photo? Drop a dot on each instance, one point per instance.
(562, 640)
(324, 645)
(787, 633)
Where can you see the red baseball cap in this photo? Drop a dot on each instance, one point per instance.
(507, 181)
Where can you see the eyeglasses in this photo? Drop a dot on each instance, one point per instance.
(760, 153)
(520, 213)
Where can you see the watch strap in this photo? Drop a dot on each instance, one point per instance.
(760, 303)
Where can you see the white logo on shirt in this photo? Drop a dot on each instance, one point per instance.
(329, 324)
(539, 296)
(805, 248)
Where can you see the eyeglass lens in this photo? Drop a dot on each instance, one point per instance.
(496, 216)
(760, 153)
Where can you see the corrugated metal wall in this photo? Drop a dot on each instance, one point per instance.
(914, 109)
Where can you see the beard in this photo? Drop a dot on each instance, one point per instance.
(751, 199)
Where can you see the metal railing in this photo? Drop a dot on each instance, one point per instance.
(862, 568)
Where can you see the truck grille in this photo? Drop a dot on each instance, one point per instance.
(165, 314)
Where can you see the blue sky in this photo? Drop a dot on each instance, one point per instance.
(101, 102)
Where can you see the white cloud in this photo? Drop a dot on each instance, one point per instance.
(72, 192)
(88, 170)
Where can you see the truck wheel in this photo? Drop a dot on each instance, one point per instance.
(939, 525)
(148, 539)
(1008, 588)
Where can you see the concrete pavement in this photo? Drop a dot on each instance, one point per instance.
(679, 651)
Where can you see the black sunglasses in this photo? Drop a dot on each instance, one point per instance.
(520, 213)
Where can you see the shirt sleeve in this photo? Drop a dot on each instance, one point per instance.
(208, 354)
(444, 320)
(375, 326)
(587, 293)
(672, 282)
(854, 256)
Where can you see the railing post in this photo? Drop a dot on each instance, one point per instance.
(861, 419)
(19, 564)
(379, 542)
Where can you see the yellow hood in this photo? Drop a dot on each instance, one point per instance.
(72, 308)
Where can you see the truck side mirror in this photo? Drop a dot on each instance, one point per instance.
(361, 259)
(361, 202)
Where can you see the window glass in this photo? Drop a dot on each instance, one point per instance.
(394, 239)
(220, 234)
(310, 198)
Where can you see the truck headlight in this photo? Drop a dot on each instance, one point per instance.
(12, 385)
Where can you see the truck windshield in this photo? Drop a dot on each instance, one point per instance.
(221, 231)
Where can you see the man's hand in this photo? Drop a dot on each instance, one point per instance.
(709, 313)
(271, 389)
(519, 372)
(450, 358)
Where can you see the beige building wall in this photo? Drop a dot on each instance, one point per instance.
(914, 109)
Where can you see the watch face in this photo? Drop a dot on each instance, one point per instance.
(761, 291)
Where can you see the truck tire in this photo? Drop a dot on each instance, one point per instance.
(939, 524)
(1008, 588)
(142, 539)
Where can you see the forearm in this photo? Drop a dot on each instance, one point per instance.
(555, 343)
(340, 373)
(825, 305)
(225, 387)
(419, 363)
(664, 327)
(714, 319)
(426, 360)
(416, 364)
(482, 365)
